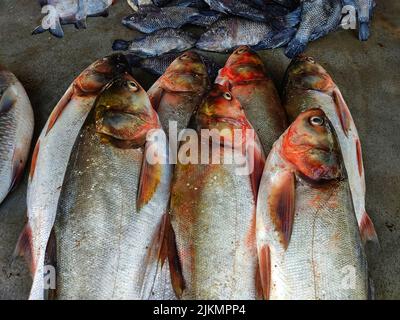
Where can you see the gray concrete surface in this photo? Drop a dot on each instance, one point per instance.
(367, 73)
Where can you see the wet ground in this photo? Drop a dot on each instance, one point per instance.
(367, 73)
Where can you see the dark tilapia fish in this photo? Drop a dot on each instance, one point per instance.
(158, 43)
(158, 65)
(237, 8)
(152, 18)
(318, 18)
(230, 33)
(137, 5)
(75, 12)
(364, 10)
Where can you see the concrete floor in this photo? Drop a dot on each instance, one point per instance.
(367, 73)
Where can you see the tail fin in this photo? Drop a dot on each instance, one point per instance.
(295, 47)
(120, 45)
(363, 33)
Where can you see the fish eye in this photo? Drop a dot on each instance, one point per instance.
(132, 85)
(317, 121)
(310, 59)
(184, 57)
(241, 51)
(227, 96)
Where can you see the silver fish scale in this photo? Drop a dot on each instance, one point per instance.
(16, 128)
(325, 247)
(218, 262)
(102, 241)
(263, 108)
(8, 139)
(319, 17)
(229, 33)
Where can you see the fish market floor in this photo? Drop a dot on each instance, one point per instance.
(367, 73)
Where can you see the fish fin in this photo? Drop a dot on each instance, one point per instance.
(360, 164)
(169, 246)
(58, 30)
(276, 40)
(281, 203)
(34, 160)
(259, 164)
(150, 178)
(81, 24)
(38, 30)
(259, 289)
(342, 111)
(363, 32)
(7, 101)
(51, 260)
(120, 45)
(163, 250)
(18, 169)
(367, 229)
(59, 108)
(264, 260)
(295, 47)
(24, 248)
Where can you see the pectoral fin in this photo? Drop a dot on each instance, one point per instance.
(7, 101)
(281, 204)
(264, 258)
(149, 181)
(24, 248)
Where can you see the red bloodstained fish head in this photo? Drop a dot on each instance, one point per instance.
(305, 73)
(243, 65)
(124, 114)
(101, 72)
(221, 111)
(311, 147)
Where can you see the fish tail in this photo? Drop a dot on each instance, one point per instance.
(363, 33)
(57, 31)
(295, 47)
(120, 45)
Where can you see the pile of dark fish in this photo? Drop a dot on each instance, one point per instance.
(115, 210)
(260, 24)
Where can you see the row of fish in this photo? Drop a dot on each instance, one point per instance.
(229, 23)
(116, 226)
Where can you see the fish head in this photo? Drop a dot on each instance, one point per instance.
(187, 73)
(124, 114)
(100, 73)
(310, 145)
(244, 64)
(304, 73)
(221, 111)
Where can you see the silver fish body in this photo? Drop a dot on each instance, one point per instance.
(16, 129)
(50, 158)
(308, 239)
(102, 240)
